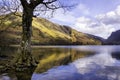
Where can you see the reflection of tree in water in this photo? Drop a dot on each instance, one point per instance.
(47, 58)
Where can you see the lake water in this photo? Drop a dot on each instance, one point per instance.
(101, 66)
(69, 63)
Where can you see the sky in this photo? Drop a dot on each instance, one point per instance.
(97, 17)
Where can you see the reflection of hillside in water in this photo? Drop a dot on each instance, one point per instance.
(47, 57)
(98, 67)
(101, 66)
(50, 57)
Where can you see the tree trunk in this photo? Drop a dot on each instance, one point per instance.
(25, 58)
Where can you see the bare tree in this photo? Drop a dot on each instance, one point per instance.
(30, 9)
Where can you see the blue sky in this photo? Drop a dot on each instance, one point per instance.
(97, 17)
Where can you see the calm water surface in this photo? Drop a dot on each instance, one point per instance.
(101, 66)
(70, 63)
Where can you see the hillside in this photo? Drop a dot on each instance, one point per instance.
(98, 38)
(114, 38)
(44, 33)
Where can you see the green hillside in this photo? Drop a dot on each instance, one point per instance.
(44, 33)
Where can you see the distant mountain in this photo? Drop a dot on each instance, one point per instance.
(44, 33)
(114, 38)
(98, 38)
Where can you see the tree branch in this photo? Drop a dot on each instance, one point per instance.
(53, 7)
(34, 3)
(49, 2)
(24, 3)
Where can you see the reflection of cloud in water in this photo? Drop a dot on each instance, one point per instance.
(97, 48)
(99, 67)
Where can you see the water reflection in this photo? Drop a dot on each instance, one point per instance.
(101, 66)
(67, 63)
(47, 57)
(7, 76)
(50, 57)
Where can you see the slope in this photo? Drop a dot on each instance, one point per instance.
(44, 33)
(114, 38)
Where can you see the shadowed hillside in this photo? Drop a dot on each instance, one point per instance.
(113, 38)
(44, 33)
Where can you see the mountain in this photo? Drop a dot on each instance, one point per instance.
(44, 33)
(98, 38)
(114, 38)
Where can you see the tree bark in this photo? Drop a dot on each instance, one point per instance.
(25, 58)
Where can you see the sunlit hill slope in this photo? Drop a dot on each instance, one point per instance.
(44, 33)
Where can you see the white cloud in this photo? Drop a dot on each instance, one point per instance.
(83, 9)
(111, 17)
(69, 17)
(64, 18)
(79, 10)
(118, 10)
(102, 25)
(87, 25)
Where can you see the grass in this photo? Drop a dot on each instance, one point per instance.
(53, 33)
(44, 32)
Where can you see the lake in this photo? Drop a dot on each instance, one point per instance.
(70, 63)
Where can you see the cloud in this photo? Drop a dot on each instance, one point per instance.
(79, 18)
(69, 17)
(112, 17)
(79, 10)
(86, 25)
(101, 25)
(64, 18)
